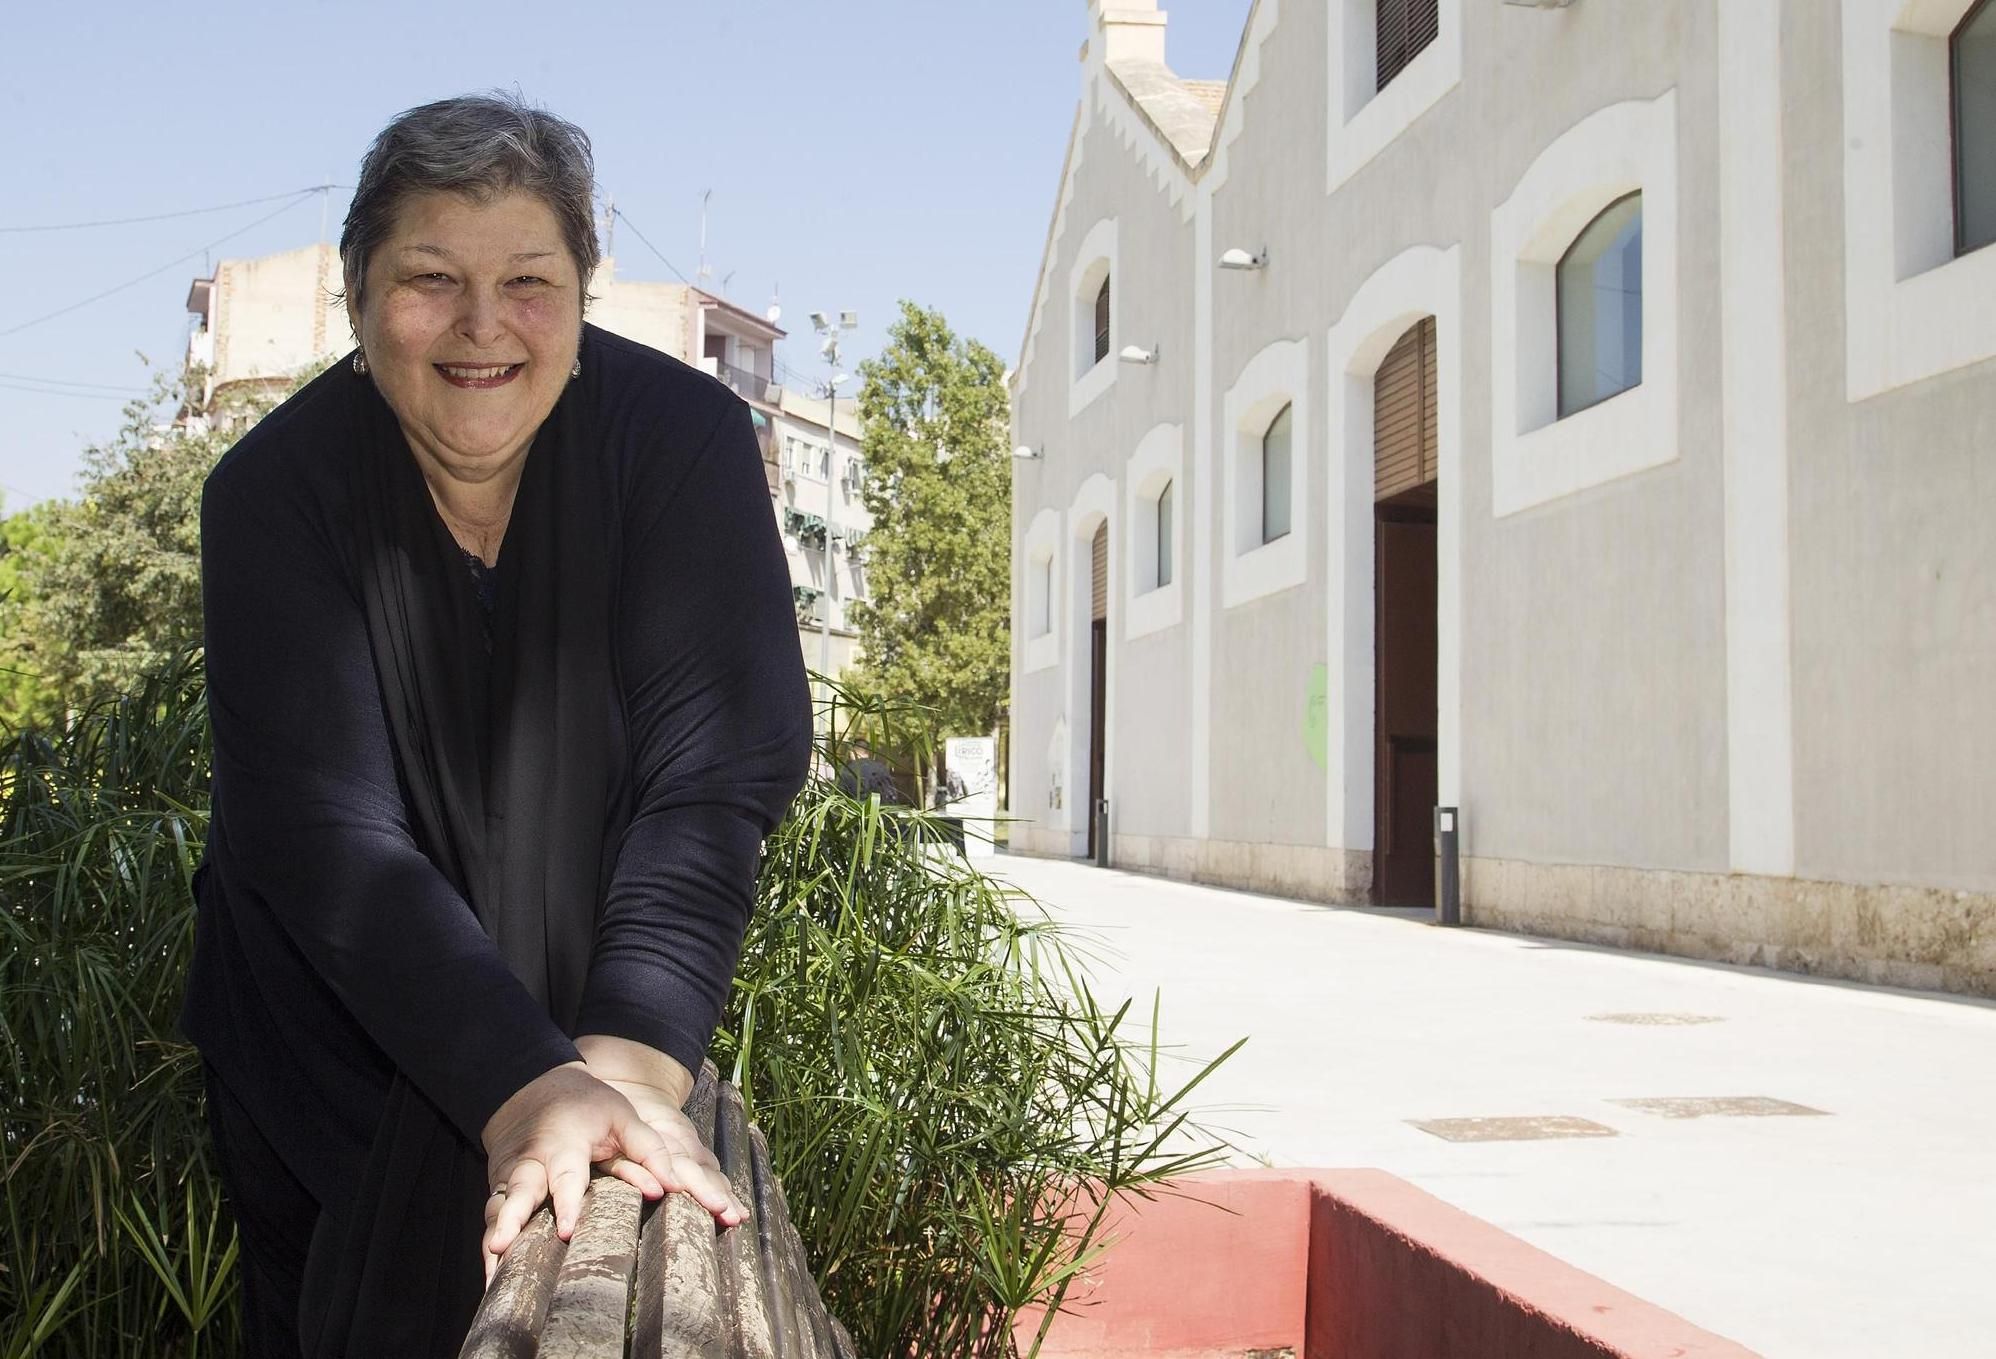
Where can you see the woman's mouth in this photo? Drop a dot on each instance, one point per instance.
(477, 375)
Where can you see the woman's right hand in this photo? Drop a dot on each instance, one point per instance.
(540, 1143)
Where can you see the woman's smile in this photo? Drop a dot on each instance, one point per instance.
(467, 375)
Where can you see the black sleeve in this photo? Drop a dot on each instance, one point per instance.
(720, 731)
(315, 825)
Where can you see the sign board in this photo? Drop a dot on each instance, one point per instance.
(972, 790)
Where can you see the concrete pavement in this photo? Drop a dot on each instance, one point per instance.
(1863, 1230)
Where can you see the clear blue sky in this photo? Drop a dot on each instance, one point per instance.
(858, 153)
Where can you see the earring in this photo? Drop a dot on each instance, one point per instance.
(576, 371)
(360, 363)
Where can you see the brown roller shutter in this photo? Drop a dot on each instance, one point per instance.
(1403, 413)
(1404, 28)
(1099, 578)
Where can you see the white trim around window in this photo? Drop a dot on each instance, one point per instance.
(1093, 262)
(1039, 591)
(1913, 310)
(1363, 119)
(1278, 376)
(1158, 462)
(1536, 456)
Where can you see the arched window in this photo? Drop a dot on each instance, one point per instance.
(1600, 303)
(1164, 536)
(1972, 76)
(1275, 456)
(1102, 322)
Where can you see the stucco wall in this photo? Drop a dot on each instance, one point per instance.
(1148, 697)
(1893, 555)
(1598, 700)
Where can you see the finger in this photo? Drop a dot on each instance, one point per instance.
(568, 1177)
(524, 1192)
(709, 1187)
(635, 1175)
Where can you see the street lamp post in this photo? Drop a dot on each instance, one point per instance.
(829, 347)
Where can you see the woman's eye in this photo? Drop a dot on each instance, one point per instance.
(529, 278)
(433, 278)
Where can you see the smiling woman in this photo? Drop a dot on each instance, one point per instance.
(485, 825)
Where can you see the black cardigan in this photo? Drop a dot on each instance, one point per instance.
(330, 952)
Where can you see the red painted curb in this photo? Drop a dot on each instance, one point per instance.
(1343, 1264)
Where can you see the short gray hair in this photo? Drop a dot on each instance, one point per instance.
(478, 145)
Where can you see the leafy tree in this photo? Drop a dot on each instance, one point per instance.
(21, 536)
(103, 589)
(937, 629)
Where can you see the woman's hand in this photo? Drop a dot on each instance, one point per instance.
(541, 1141)
(694, 1168)
(657, 1086)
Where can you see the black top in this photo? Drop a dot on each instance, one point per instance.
(331, 953)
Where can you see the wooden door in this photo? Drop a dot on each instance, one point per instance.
(1404, 782)
(1403, 450)
(1098, 678)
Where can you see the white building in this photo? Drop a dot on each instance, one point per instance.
(1576, 415)
(259, 322)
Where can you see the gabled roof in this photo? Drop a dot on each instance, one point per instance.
(1183, 112)
(1184, 115)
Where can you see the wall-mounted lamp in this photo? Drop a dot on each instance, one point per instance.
(1135, 354)
(1238, 258)
(1025, 454)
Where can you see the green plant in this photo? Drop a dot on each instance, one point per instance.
(101, 825)
(935, 1076)
(938, 1085)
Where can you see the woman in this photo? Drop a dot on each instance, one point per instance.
(506, 692)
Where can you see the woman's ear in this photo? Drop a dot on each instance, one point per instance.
(350, 298)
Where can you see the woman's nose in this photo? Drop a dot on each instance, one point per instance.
(478, 321)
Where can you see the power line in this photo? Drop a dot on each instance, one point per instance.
(296, 199)
(58, 391)
(619, 212)
(165, 216)
(66, 382)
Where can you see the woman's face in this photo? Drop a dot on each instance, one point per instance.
(470, 319)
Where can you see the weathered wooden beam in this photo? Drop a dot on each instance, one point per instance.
(509, 1321)
(592, 1294)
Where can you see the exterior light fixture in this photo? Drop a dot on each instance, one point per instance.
(1025, 454)
(1238, 258)
(1133, 354)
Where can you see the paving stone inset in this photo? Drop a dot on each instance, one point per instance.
(1532, 1128)
(1722, 1106)
(1659, 1018)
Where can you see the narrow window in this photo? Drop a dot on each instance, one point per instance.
(1164, 536)
(1042, 601)
(1102, 322)
(1403, 28)
(1275, 455)
(1972, 73)
(1599, 288)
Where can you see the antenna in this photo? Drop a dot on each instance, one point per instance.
(703, 273)
(609, 228)
(775, 312)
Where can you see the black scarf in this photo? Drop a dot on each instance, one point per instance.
(514, 776)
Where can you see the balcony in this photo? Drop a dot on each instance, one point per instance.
(750, 385)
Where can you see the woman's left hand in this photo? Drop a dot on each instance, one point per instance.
(699, 1172)
(658, 1086)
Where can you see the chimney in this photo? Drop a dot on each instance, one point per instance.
(1131, 30)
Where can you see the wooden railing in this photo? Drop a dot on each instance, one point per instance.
(663, 1281)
